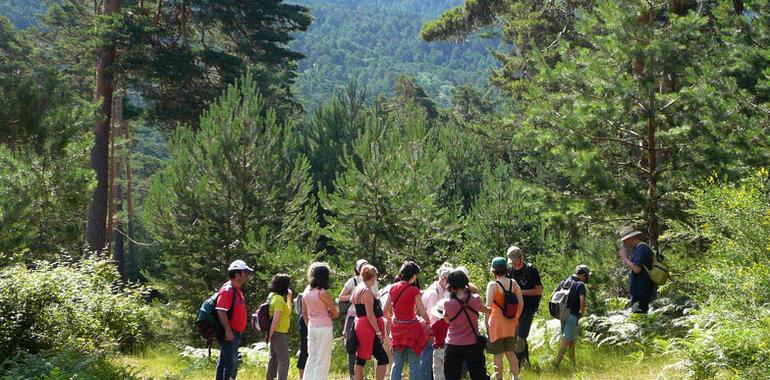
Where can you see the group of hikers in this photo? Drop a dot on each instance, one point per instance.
(435, 330)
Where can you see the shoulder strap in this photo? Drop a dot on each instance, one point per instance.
(232, 304)
(395, 300)
(463, 307)
(475, 328)
(510, 290)
(361, 294)
(655, 255)
(510, 285)
(355, 281)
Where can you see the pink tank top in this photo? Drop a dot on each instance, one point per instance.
(317, 313)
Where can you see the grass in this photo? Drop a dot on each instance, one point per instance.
(165, 363)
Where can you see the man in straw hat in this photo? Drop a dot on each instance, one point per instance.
(642, 288)
(528, 278)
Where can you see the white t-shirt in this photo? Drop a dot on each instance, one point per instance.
(430, 297)
(351, 284)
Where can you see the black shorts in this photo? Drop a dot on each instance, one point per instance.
(378, 353)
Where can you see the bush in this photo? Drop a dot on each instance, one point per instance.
(730, 278)
(621, 328)
(69, 306)
(723, 341)
(65, 365)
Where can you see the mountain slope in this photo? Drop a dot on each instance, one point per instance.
(373, 41)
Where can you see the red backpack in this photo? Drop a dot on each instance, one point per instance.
(510, 301)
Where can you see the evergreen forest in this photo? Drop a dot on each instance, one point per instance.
(147, 144)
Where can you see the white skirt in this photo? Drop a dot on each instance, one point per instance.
(319, 353)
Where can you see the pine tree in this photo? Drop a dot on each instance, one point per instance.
(385, 205)
(626, 103)
(330, 132)
(233, 190)
(637, 111)
(180, 55)
(508, 211)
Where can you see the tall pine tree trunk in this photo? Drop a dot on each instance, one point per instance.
(652, 176)
(118, 250)
(650, 158)
(96, 231)
(130, 203)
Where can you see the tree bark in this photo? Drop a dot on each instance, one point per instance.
(96, 231)
(651, 150)
(652, 180)
(116, 199)
(738, 6)
(130, 201)
(117, 116)
(118, 251)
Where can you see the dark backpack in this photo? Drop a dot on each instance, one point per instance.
(510, 301)
(207, 320)
(558, 303)
(263, 320)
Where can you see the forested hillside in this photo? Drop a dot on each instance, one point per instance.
(374, 41)
(22, 13)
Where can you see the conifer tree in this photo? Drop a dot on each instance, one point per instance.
(638, 111)
(625, 103)
(385, 205)
(233, 190)
(507, 211)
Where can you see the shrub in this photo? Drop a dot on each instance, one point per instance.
(621, 328)
(65, 365)
(69, 306)
(724, 341)
(730, 278)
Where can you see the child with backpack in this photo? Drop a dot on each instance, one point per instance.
(568, 303)
(506, 304)
(438, 327)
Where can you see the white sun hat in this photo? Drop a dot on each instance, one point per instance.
(627, 232)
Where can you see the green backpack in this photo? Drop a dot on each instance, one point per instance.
(207, 320)
(659, 271)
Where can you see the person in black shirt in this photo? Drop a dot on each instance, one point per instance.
(576, 303)
(528, 278)
(641, 287)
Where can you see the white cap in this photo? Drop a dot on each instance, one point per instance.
(239, 265)
(437, 311)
